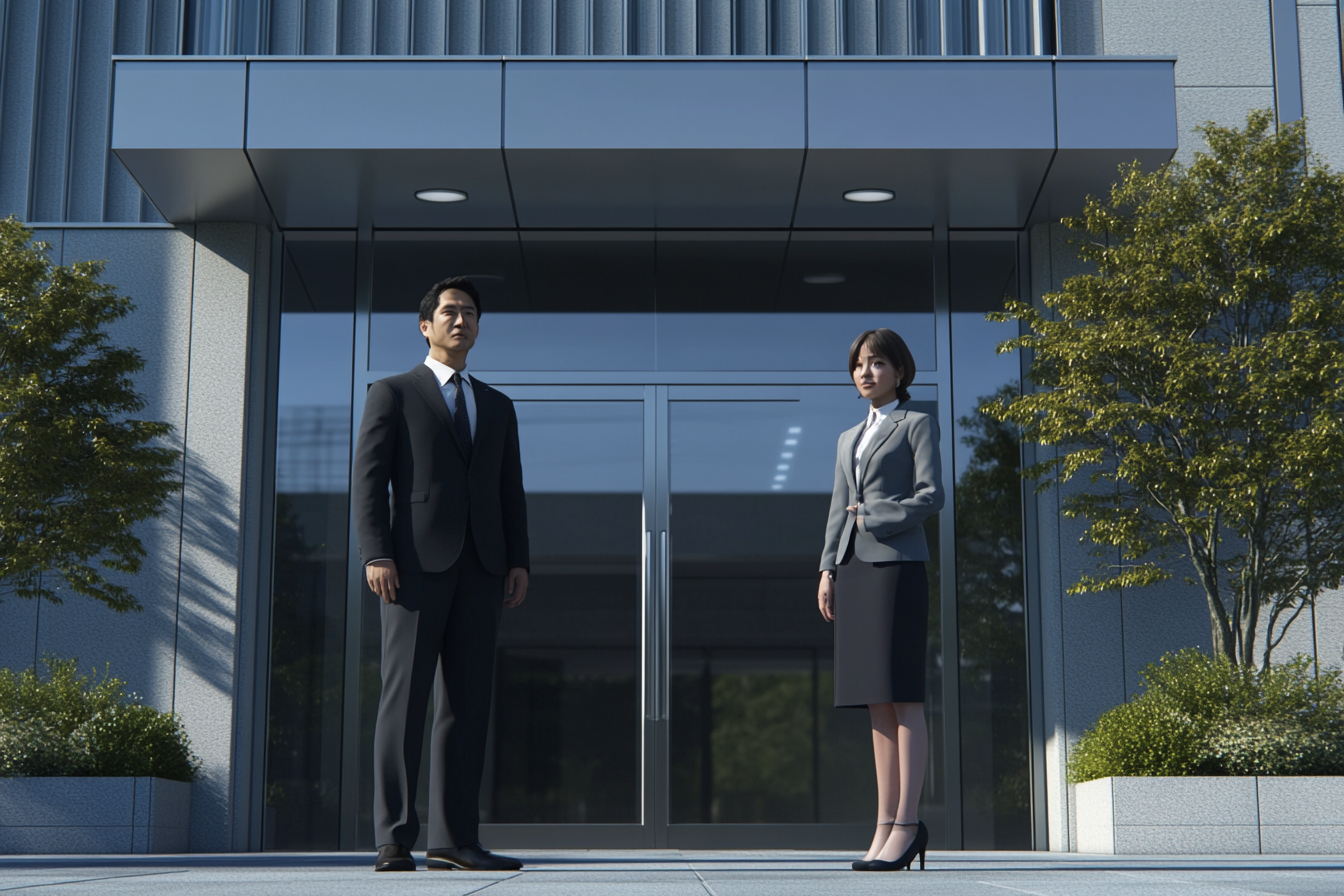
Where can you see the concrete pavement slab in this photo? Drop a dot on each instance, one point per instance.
(679, 873)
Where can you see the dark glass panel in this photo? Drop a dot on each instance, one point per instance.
(566, 740)
(552, 301)
(996, 800)
(735, 300)
(754, 735)
(303, 754)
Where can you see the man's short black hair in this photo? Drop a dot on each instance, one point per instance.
(430, 303)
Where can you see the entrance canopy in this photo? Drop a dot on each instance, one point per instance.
(974, 142)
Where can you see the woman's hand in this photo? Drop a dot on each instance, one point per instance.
(826, 597)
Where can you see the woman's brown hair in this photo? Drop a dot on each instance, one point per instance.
(886, 344)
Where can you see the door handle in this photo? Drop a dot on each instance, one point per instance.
(651, 631)
(663, 674)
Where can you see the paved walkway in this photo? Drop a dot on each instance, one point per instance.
(680, 873)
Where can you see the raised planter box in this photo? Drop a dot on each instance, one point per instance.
(1211, 816)
(93, 815)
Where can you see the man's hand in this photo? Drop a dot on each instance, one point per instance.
(515, 586)
(383, 579)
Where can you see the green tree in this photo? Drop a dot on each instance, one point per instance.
(1196, 380)
(76, 473)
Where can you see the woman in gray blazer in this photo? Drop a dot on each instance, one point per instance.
(888, 481)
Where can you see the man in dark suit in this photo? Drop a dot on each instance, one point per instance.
(444, 555)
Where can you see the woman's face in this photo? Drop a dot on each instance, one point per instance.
(876, 377)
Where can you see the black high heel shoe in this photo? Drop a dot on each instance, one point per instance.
(916, 848)
(862, 864)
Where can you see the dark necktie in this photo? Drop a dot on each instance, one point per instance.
(460, 419)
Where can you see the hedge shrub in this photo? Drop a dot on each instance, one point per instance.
(1201, 715)
(71, 725)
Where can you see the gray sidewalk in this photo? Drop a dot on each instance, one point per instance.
(681, 873)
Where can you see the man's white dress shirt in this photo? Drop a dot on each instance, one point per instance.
(444, 374)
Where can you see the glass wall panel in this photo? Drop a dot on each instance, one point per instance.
(554, 301)
(566, 738)
(303, 756)
(734, 301)
(622, 300)
(996, 801)
(754, 735)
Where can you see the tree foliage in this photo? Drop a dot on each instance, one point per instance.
(1194, 383)
(76, 472)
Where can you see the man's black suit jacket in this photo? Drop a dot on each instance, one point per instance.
(407, 438)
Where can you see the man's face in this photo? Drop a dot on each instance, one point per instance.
(454, 325)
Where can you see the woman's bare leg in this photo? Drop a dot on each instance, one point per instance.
(887, 761)
(911, 743)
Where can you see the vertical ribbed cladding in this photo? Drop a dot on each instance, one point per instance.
(55, 90)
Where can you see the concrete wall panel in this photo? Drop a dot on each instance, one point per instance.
(1221, 105)
(212, 552)
(1218, 43)
(1322, 93)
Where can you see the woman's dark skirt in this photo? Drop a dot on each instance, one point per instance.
(881, 632)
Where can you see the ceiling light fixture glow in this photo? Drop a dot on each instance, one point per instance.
(869, 195)
(824, 279)
(440, 194)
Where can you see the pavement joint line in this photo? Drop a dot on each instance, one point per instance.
(1199, 883)
(89, 880)
(1016, 889)
(493, 882)
(704, 883)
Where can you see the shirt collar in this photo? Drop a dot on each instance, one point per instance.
(885, 410)
(443, 373)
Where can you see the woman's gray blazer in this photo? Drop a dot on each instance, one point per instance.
(900, 486)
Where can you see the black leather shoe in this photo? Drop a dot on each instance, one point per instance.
(394, 857)
(469, 858)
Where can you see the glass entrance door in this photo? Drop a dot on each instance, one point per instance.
(756, 748)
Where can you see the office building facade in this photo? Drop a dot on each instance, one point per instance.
(658, 201)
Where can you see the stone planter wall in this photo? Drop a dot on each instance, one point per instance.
(94, 815)
(1211, 816)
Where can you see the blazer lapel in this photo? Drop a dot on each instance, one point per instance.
(485, 411)
(884, 431)
(428, 385)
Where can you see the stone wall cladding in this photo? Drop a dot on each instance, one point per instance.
(1211, 816)
(94, 815)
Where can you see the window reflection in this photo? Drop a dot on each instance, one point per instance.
(565, 744)
(990, 598)
(311, 518)
(636, 300)
(754, 735)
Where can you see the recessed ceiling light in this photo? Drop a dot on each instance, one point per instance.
(870, 196)
(824, 279)
(441, 195)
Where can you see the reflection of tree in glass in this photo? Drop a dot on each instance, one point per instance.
(762, 745)
(305, 801)
(991, 622)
